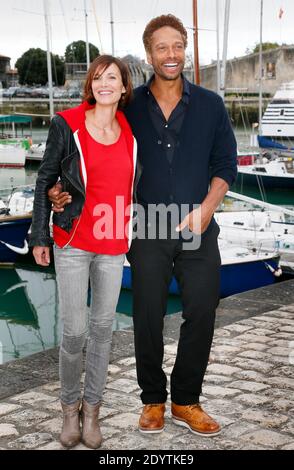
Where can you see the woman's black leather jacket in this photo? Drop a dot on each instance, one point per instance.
(61, 160)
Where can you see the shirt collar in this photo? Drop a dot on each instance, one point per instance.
(186, 87)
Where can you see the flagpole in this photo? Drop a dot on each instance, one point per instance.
(195, 36)
(281, 12)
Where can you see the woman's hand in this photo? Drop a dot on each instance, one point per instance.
(42, 255)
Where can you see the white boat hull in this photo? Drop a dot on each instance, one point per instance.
(12, 156)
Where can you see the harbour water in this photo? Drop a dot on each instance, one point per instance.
(29, 317)
(29, 310)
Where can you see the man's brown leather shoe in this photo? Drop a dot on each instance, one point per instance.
(152, 418)
(194, 418)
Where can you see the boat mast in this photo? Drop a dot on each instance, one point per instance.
(217, 48)
(112, 27)
(87, 39)
(195, 36)
(225, 48)
(260, 70)
(49, 69)
(97, 25)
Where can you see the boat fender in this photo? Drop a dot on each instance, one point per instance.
(276, 272)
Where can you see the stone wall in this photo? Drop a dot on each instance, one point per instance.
(243, 72)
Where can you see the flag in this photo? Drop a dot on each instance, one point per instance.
(281, 11)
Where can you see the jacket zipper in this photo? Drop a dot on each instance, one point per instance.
(84, 178)
(74, 232)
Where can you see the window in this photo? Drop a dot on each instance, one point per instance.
(260, 169)
(270, 70)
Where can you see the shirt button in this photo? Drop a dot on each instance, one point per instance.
(168, 145)
(159, 142)
(166, 125)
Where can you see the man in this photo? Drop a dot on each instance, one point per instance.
(187, 155)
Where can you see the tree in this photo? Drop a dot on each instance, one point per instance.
(76, 52)
(265, 46)
(32, 68)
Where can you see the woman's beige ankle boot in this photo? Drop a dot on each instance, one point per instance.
(91, 434)
(71, 431)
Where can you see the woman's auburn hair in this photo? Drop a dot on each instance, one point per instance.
(103, 62)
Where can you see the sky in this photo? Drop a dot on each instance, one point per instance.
(22, 24)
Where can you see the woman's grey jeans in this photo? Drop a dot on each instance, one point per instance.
(73, 268)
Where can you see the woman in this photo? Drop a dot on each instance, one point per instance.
(92, 150)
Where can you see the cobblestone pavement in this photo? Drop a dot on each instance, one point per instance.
(249, 388)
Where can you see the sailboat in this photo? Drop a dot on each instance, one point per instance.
(269, 171)
(241, 269)
(15, 221)
(268, 229)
